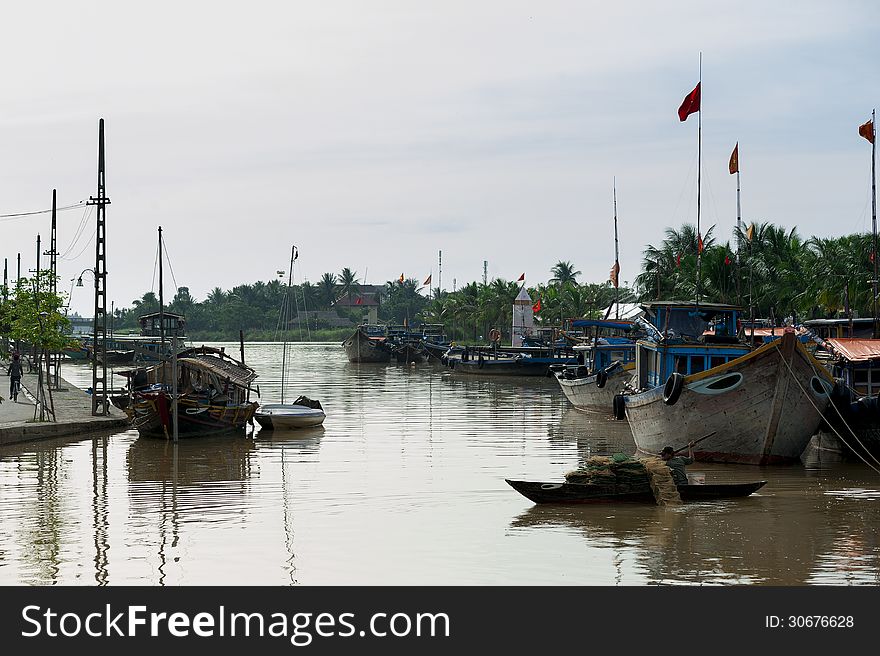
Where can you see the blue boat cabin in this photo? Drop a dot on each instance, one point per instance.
(689, 338)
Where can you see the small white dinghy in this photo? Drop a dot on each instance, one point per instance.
(302, 413)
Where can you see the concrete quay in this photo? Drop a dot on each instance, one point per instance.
(73, 413)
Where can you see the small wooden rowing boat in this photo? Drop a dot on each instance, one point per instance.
(596, 493)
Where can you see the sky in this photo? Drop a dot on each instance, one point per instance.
(375, 134)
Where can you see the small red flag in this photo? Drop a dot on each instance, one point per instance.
(727, 260)
(359, 301)
(871, 257)
(400, 280)
(690, 104)
(537, 306)
(678, 260)
(867, 131)
(427, 280)
(699, 243)
(734, 160)
(521, 278)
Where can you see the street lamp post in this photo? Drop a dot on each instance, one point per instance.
(93, 355)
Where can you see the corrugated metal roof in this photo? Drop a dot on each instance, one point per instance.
(855, 350)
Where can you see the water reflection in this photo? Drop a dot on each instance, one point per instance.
(792, 532)
(404, 483)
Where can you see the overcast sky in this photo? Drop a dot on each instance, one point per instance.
(374, 134)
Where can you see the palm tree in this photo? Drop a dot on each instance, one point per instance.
(563, 272)
(348, 283)
(327, 290)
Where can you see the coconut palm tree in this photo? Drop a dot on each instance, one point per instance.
(327, 290)
(564, 272)
(348, 283)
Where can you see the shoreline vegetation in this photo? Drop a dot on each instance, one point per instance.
(774, 271)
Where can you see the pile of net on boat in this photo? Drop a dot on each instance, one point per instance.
(634, 473)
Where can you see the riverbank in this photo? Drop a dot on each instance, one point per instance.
(73, 413)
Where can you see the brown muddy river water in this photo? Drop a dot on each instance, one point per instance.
(404, 484)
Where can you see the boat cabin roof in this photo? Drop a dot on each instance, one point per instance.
(598, 323)
(683, 320)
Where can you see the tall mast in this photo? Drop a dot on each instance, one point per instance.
(874, 208)
(699, 173)
(161, 299)
(616, 257)
(284, 315)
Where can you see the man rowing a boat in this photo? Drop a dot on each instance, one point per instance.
(677, 463)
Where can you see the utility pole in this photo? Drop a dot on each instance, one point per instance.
(485, 272)
(99, 347)
(439, 274)
(54, 359)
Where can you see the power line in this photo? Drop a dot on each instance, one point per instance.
(18, 215)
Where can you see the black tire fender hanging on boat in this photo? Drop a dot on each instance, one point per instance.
(618, 407)
(601, 378)
(672, 388)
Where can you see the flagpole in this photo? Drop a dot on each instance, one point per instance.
(738, 233)
(874, 208)
(699, 172)
(616, 257)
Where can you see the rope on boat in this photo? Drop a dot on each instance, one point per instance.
(822, 414)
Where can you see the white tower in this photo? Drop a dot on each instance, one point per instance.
(523, 318)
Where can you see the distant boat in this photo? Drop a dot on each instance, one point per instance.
(304, 411)
(485, 363)
(368, 344)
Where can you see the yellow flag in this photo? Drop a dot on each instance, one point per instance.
(750, 232)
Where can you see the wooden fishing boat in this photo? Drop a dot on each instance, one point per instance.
(762, 407)
(594, 390)
(213, 395)
(367, 345)
(606, 367)
(614, 493)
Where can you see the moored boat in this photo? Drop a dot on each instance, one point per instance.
(213, 395)
(762, 407)
(367, 346)
(563, 492)
(302, 413)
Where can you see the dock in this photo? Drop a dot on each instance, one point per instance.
(73, 412)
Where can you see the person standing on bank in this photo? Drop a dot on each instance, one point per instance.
(677, 464)
(14, 371)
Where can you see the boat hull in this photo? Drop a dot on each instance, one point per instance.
(767, 417)
(505, 366)
(616, 493)
(585, 394)
(151, 416)
(285, 417)
(363, 348)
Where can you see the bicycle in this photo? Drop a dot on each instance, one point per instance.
(16, 388)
